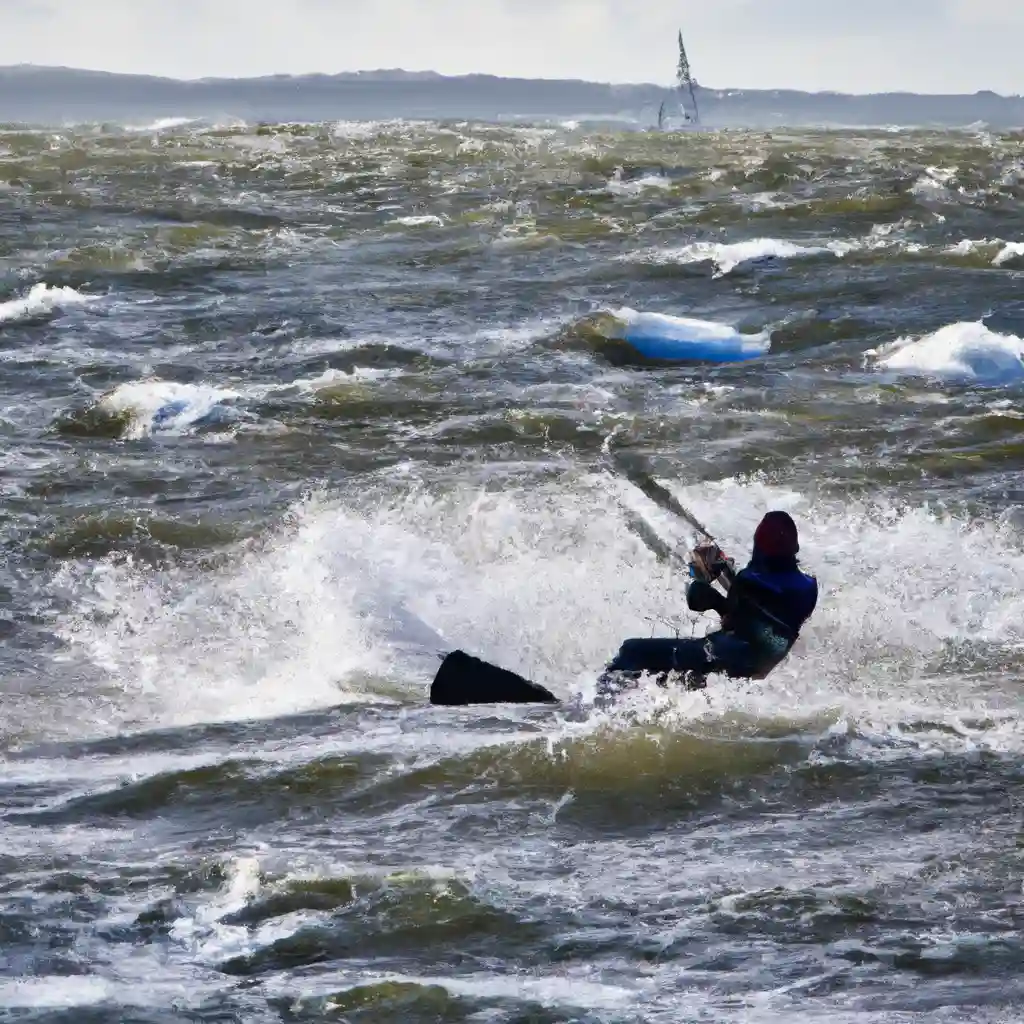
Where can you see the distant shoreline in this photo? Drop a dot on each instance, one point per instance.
(30, 93)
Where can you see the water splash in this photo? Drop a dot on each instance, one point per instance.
(353, 598)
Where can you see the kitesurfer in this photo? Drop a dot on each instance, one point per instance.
(762, 611)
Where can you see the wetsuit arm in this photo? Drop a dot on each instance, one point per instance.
(702, 597)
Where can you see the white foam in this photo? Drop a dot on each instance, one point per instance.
(969, 246)
(637, 186)
(936, 183)
(422, 221)
(1004, 252)
(357, 375)
(759, 202)
(566, 989)
(42, 300)
(483, 342)
(165, 407)
(488, 342)
(960, 351)
(1010, 251)
(726, 257)
(274, 144)
(204, 930)
(359, 130)
(163, 124)
(62, 992)
(282, 629)
(354, 598)
(54, 992)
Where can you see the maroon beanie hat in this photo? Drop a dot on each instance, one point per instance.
(776, 536)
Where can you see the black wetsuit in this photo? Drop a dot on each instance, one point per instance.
(767, 604)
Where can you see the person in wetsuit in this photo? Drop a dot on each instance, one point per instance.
(764, 607)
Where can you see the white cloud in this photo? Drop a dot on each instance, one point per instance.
(928, 45)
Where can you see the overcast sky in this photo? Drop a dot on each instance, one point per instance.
(850, 45)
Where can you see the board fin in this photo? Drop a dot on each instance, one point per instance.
(463, 680)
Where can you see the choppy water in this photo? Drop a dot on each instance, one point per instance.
(286, 411)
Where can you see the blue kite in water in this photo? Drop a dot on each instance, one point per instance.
(660, 336)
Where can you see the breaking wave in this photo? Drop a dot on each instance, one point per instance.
(727, 257)
(42, 301)
(967, 352)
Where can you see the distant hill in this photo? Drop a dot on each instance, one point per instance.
(52, 95)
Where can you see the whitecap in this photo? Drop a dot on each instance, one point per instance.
(961, 351)
(1009, 252)
(726, 257)
(41, 301)
(636, 186)
(162, 124)
(166, 407)
(426, 220)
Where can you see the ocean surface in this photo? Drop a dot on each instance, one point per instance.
(287, 411)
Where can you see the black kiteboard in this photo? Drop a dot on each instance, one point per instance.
(463, 680)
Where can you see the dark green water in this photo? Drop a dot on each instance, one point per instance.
(287, 411)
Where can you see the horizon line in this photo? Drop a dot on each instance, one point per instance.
(429, 73)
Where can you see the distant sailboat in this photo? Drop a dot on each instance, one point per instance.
(684, 80)
(686, 86)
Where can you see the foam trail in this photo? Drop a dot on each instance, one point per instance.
(958, 352)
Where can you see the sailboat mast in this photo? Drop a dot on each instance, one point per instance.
(684, 77)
